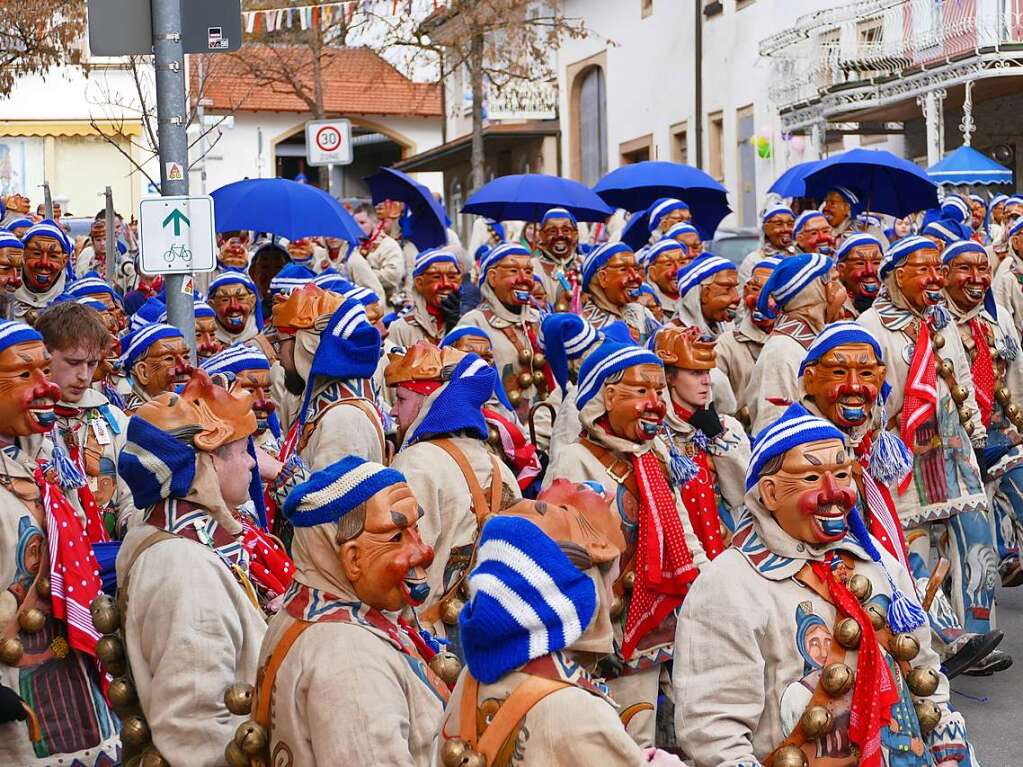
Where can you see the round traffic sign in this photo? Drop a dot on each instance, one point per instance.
(328, 138)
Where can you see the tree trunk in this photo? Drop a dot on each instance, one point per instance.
(316, 47)
(476, 83)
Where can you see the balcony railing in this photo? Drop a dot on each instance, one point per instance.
(879, 40)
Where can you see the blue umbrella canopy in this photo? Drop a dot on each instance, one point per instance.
(792, 183)
(282, 207)
(427, 223)
(968, 167)
(636, 233)
(527, 197)
(637, 186)
(885, 183)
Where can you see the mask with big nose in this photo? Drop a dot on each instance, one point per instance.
(844, 383)
(634, 405)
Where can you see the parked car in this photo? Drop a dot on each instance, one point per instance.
(734, 244)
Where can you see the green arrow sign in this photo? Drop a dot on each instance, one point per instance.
(177, 218)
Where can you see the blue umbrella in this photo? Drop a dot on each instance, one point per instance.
(636, 233)
(282, 207)
(885, 183)
(792, 183)
(428, 222)
(968, 167)
(527, 197)
(637, 186)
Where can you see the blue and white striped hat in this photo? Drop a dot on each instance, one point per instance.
(153, 310)
(526, 599)
(778, 209)
(997, 200)
(13, 332)
(234, 277)
(961, 247)
(1017, 226)
(805, 217)
(154, 464)
(606, 360)
(90, 284)
(334, 282)
(857, 240)
(683, 227)
(8, 240)
(428, 258)
(661, 208)
(22, 222)
(597, 258)
(955, 208)
(789, 278)
(292, 276)
(136, 344)
(498, 253)
(795, 427)
(557, 213)
(700, 269)
(334, 491)
(946, 230)
(901, 250)
(48, 228)
(364, 296)
(847, 194)
(202, 309)
(837, 334)
(767, 263)
(653, 252)
(235, 359)
(564, 336)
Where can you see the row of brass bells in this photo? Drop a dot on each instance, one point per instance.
(238, 698)
(110, 651)
(457, 753)
(937, 340)
(922, 681)
(837, 679)
(848, 633)
(1003, 396)
(790, 756)
(43, 586)
(447, 666)
(959, 394)
(928, 715)
(105, 615)
(816, 721)
(904, 647)
(450, 609)
(946, 369)
(617, 607)
(528, 355)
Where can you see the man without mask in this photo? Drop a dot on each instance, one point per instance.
(555, 261)
(805, 584)
(776, 226)
(381, 250)
(44, 269)
(858, 259)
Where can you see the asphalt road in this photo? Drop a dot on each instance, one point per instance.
(993, 705)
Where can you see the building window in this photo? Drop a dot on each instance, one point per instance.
(646, 7)
(712, 8)
(637, 150)
(680, 142)
(592, 126)
(715, 145)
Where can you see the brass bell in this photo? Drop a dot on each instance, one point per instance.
(251, 738)
(32, 620)
(493, 435)
(43, 586)
(561, 306)
(837, 679)
(450, 609)
(11, 650)
(539, 360)
(969, 427)
(922, 681)
(945, 368)
(617, 607)
(1013, 412)
(928, 715)
(514, 397)
(938, 341)
(790, 756)
(629, 581)
(860, 587)
(525, 379)
(816, 721)
(877, 615)
(452, 751)
(238, 699)
(153, 758)
(525, 355)
(110, 650)
(473, 759)
(122, 693)
(959, 393)
(848, 633)
(135, 732)
(904, 647)
(1003, 395)
(538, 377)
(105, 615)
(235, 757)
(447, 666)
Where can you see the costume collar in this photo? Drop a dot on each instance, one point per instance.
(795, 328)
(422, 317)
(39, 300)
(504, 317)
(747, 331)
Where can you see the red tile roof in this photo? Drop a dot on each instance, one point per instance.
(355, 81)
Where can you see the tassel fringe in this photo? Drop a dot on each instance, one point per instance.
(69, 476)
(680, 466)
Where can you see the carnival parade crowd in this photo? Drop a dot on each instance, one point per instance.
(550, 498)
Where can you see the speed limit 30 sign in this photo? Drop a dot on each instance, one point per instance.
(328, 142)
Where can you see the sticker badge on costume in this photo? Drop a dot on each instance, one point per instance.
(102, 431)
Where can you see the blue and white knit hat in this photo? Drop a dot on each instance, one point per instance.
(153, 310)
(1017, 226)
(946, 230)
(13, 332)
(557, 213)
(683, 227)
(564, 336)
(767, 263)
(232, 277)
(790, 277)
(428, 258)
(701, 269)
(596, 259)
(961, 247)
(778, 209)
(901, 250)
(661, 208)
(364, 296)
(498, 253)
(955, 208)
(997, 200)
(155, 464)
(22, 222)
(290, 277)
(665, 245)
(849, 196)
(235, 359)
(606, 360)
(48, 228)
(838, 334)
(91, 284)
(471, 330)
(137, 343)
(526, 599)
(794, 427)
(202, 309)
(334, 282)
(334, 491)
(457, 405)
(857, 240)
(804, 218)
(8, 240)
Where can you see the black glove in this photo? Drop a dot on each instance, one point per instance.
(450, 309)
(978, 452)
(707, 420)
(11, 709)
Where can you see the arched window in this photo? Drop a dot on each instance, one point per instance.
(592, 126)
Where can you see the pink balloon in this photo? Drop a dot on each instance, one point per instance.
(766, 130)
(798, 143)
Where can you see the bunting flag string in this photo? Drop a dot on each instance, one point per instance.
(309, 16)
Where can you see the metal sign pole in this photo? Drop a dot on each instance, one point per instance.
(47, 200)
(169, 63)
(112, 254)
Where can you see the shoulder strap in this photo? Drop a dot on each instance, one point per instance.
(267, 675)
(619, 469)
(357, 402)
(479, 500)
(155, 537)
(508, 717)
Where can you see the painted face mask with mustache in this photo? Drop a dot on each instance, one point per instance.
(634, 405)
(816, 236)
(511, 279)
(165, 366)
(968, 279)
(921, 279)
(750, 294)
(233, 305)
(812, 492)
(45, 259)
(844, 384)
(858, 271)
(27, 396)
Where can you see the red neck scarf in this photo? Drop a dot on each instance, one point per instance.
(983, 372)
(882, 519)
(920, 400)
(874, 693)
(700, 499)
